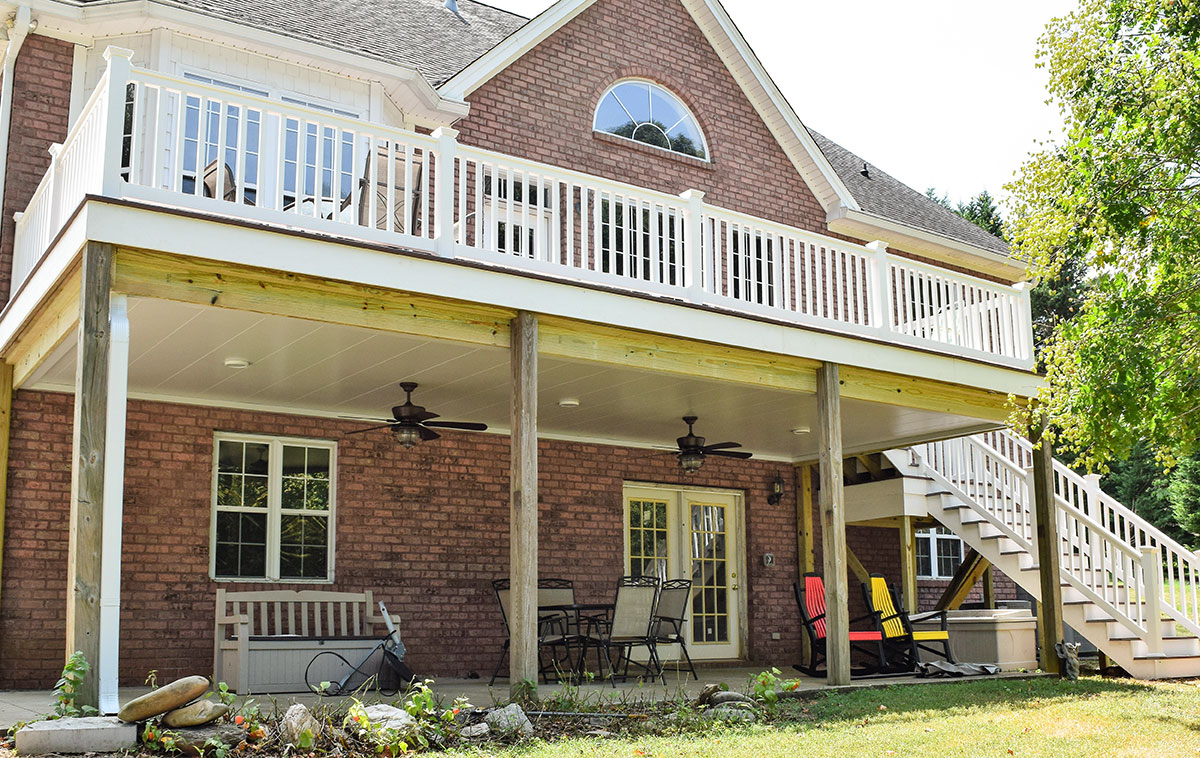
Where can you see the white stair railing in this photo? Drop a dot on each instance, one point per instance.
(1115, 575)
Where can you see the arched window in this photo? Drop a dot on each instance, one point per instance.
(645, 112)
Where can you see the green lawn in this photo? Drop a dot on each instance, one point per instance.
(1040, 717)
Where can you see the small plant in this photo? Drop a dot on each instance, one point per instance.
(159, 740)
(66, 690)
(152, 679)
(217, 748)
(766, 685)
(224, 695)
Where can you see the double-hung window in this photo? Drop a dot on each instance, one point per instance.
(273, 508)
(939, 553)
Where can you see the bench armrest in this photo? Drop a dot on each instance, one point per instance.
(928, 616)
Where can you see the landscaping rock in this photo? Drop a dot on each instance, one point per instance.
(475, 731)
(296, 722)
(706, 694)
(198, 713)
(177, 693)
(93, 734)
(720, 698)
(731, 714)
(509, 720)
(190, 740)
(390, 717)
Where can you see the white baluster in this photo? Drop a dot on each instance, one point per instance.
(693, 245)
(443, 223)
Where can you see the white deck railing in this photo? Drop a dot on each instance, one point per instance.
(187, 144)
(1114, 557)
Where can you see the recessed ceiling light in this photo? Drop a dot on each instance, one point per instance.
(237, 363)
(801, 430)
(569, 402)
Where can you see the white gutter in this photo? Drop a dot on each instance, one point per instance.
(19, 27)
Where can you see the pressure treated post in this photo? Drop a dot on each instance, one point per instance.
(804, 532)
(1050, 620)
(833, 524)
(6, 390)
(84, 550)
(908, 564)
(523, 530)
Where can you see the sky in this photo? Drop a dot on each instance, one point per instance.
(938, 93)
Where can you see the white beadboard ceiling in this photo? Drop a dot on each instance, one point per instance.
(178, 353)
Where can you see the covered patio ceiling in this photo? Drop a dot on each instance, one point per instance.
(178, 353)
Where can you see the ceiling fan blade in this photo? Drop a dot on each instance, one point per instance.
(468, 425)
(729, 454)
(422, 416)
(369, 418)
(721, 446)
(427, 434)
(370, 429)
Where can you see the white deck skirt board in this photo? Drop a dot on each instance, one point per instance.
(311, 368)
(327, 258)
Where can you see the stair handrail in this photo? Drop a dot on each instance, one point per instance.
(1179, 567)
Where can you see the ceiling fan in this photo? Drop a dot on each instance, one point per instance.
(410, 424)
(692, 450)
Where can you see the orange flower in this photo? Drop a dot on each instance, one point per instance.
(456, 711)
(239, 720)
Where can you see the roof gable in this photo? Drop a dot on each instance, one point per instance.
(734, 52)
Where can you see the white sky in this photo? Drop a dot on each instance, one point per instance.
(940, 93)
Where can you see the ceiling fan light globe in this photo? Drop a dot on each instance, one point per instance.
(407, 436)
(691, 460)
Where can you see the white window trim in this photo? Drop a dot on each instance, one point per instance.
(274, 506)
(933, 538)
(703, 138)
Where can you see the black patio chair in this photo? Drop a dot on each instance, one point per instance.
(670, 614)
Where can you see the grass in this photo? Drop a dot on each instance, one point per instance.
(1038, 717)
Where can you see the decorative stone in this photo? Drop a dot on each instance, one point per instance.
(166, 698)
(706, 694)
(390, 717)
(92, 734)
(191, 740)
(475, 731)
(730, 713)
(198, 713)
(510, 719)
(720, 698)
(296, 722)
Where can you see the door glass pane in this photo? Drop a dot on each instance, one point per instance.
(648, 538)
(710, 590)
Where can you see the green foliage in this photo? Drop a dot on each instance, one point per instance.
(981, 211)
(1120, 198)
(433, 724)
(217, 748)
(158, 740)
(66, 690)
(767, 684)
(1183, 492)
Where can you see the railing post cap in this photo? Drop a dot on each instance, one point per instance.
(1022, 286)
(113, 51)
(443, 132)
(54, 149)
(1093, 479)
(692, 194)
(1149, 551)
(878, 246)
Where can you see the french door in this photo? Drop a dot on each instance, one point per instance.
(692, 534)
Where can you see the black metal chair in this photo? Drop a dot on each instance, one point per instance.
(554, 629)
(632, 625)
(674, 597)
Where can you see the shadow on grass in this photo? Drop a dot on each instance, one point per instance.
(949, 698)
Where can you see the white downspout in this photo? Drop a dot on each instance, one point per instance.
(19, 27)
(114, 501)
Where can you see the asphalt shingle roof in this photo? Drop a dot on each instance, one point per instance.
(881, 194)
(422, 34)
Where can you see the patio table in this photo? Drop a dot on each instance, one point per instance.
(578, 625)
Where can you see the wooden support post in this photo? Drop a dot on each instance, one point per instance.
(523, 529)
(908, 564)
(6, 390)
(833, 524)
(969, 571)
(804, 531)
(989, 588)
(87, 475)
(1050, 619)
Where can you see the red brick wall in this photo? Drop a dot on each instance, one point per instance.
(41, 106)
(541, 108)
(426, 529)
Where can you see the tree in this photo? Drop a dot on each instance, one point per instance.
(1183, 493)
(1140, 483)
(981, 211)
(1120, 200)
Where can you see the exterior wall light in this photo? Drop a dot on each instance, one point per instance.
(776, 491)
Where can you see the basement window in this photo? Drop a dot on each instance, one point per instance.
(644, 112)
(939, 553)
(273, 502)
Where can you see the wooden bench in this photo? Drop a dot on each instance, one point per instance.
(265, 640)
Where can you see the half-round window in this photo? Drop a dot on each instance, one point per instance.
(645, 112)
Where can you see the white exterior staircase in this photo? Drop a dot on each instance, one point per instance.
(1127, 588)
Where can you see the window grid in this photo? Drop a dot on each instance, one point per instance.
(939, 553)
(272, 509)
(648, 553)
(710, 590)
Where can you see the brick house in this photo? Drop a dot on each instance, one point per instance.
(229, 230)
